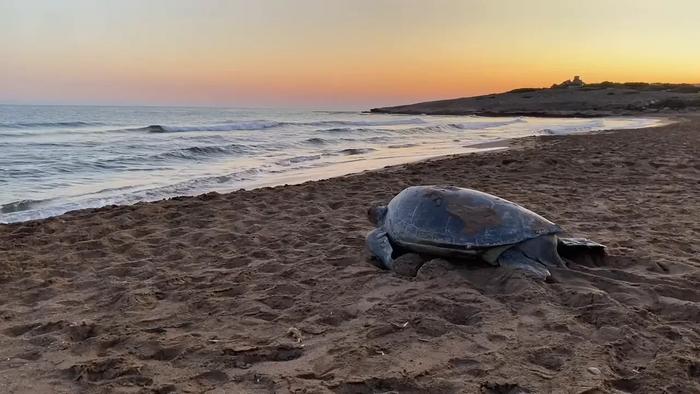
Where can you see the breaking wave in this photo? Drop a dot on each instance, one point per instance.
(356, 151)
(21, 205)
(316, 141)
(572, 129)
(485, 125)
(200, 152)
(232, 126)
(39, 125)
(369, 123)
(266, 124)
(398, 146)
(298, 159)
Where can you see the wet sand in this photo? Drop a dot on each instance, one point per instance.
(269, 290)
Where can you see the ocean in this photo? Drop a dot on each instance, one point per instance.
(55, 159)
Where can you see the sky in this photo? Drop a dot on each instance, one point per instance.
(332, 53)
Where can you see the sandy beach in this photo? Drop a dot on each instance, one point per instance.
(270, 290)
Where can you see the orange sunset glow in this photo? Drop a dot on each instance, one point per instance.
(332, 53)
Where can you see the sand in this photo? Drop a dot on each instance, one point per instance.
(269, 290)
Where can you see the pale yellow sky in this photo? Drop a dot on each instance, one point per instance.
(332, 53)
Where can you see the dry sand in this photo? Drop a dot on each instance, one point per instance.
(269, 290)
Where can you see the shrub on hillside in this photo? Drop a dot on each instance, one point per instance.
(525, 90)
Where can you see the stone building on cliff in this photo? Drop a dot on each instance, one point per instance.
(577, 82)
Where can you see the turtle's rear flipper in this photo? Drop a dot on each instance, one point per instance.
(581, 250)
(567, 246)
(514, 258)
(542, 249)
(580, 243)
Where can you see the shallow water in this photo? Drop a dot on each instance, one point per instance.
(54, 159)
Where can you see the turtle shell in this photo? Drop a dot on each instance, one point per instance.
(457, 218)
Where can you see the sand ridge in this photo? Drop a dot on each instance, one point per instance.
(269, 290)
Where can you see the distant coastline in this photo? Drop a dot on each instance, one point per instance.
(571, 98)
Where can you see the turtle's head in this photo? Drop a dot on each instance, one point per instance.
(376, 214)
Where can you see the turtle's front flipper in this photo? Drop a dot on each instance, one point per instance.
(380, 248)
(514, 258)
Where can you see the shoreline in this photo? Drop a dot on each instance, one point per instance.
(269, 289)
(343, 169)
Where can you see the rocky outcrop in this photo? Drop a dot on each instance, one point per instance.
(577, 82)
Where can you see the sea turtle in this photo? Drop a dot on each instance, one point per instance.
(453, 222)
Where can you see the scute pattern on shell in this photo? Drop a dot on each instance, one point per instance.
(459, 218)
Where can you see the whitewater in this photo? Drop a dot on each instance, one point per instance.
(55, 159)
